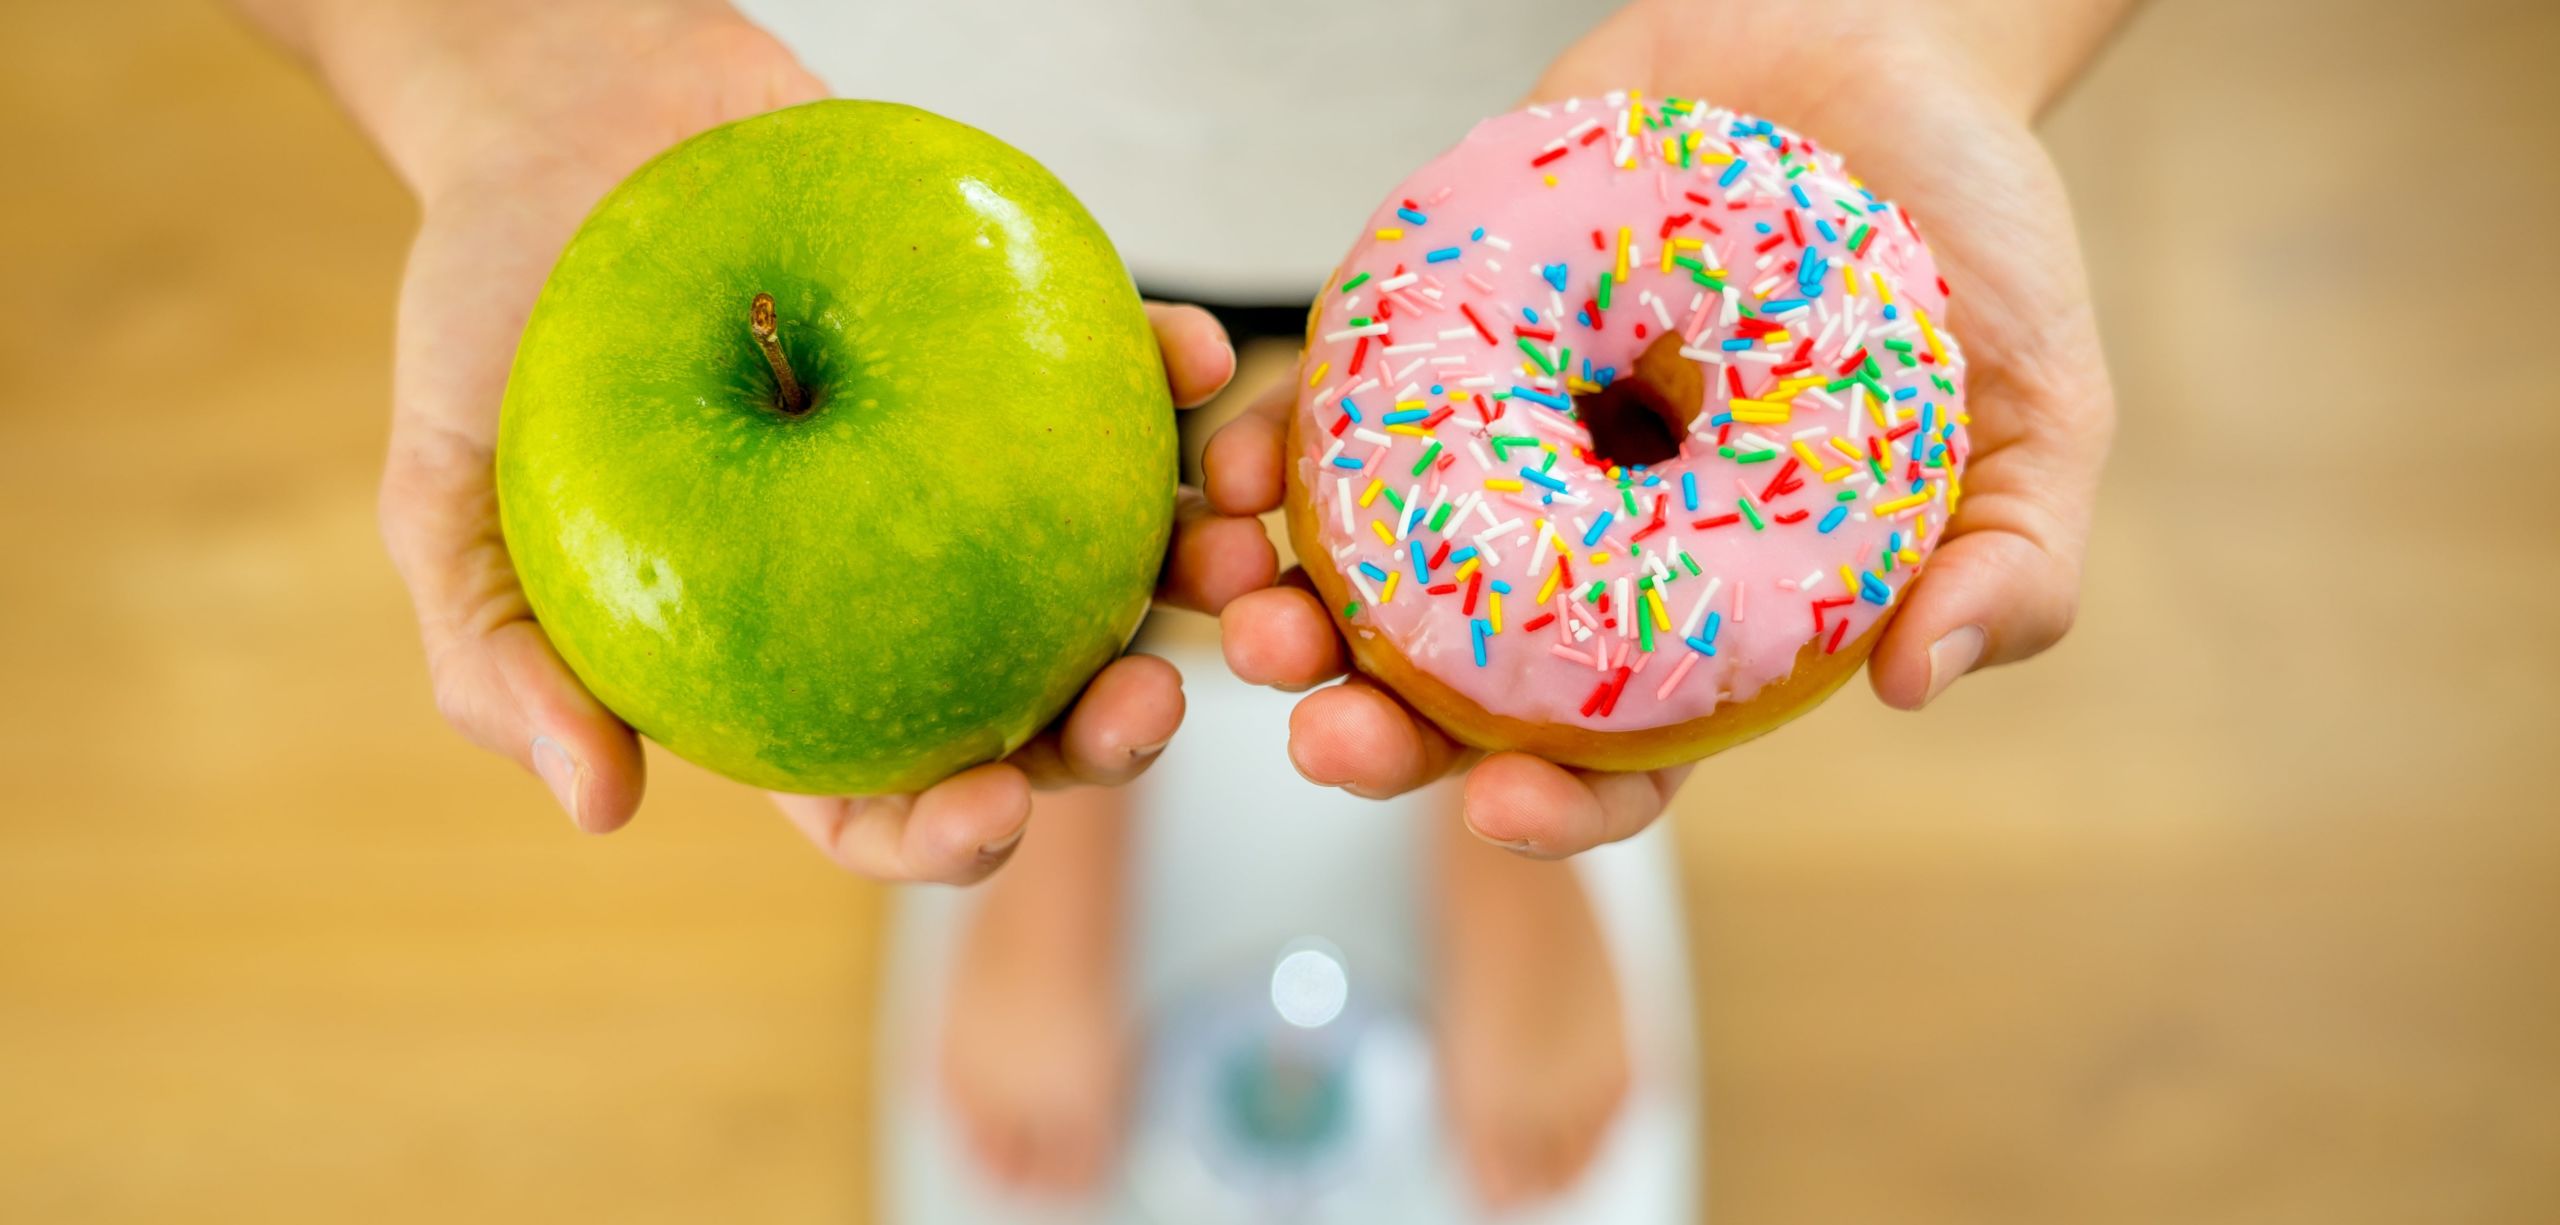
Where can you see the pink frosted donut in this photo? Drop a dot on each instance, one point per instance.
(1623, 427)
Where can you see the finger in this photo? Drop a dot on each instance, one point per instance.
(2005, 584)
(1116, 729)
(497, 679)
(1213, 559)
(1281, 637)
(1198, 358)
(1986, 598)
(1544, 810)
(954, 832)
(1357, 737)
(1243, 461)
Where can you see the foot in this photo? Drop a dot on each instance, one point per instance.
(1532, 1036)
(1035, 1046)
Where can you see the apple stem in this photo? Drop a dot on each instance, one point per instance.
(768, 336)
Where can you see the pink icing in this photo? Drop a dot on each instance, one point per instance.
(1441, 384)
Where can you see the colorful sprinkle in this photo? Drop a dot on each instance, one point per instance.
(1830, 440)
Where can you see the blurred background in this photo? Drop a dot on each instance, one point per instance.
(2242, 906)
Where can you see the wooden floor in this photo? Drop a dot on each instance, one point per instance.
(2242, 907)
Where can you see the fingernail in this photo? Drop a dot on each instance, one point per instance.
(994, 852)
(559, 773)
(1212, 394)
(1951, 657)
(1145, 751)
(1520, 845)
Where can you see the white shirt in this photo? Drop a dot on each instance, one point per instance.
(1231, 148)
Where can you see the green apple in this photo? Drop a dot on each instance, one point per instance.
(874, 530)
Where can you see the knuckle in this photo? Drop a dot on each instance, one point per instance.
(393, 514)
(456, 701)
(839, 838)
(2064, 614)
(2050, 586)
(861, 865)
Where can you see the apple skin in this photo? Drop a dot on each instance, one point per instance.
(923, 569)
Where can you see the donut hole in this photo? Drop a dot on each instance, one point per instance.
(1630, 423)
(1643, 416)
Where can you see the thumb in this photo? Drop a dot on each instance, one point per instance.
(2005, 584)
(497, 678)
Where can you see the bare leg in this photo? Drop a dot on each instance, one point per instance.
(1532, 1036)
(1035, 1045)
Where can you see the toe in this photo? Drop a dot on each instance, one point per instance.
(1018, 1162)
(1488, 1167)
(1538, 1153)
(1071, 1155)
(1569, 1150)
(988, 1139)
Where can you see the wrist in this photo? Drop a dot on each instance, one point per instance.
(2025, 53)
(455, 91)
(1842, 64)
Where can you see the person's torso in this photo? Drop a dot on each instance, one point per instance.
(1231, 149)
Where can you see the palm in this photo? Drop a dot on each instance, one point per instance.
(1995, 213)
(489, 237)
(1994, 210)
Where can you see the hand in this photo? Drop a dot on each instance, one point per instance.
(504, 176)
(1929, 126)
